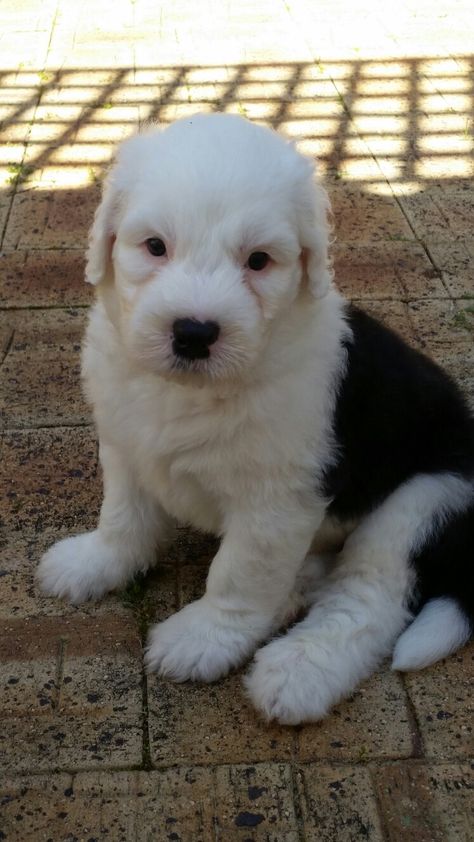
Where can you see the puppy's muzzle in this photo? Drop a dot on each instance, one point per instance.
(192, 339)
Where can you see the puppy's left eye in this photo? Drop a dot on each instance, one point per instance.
(155, 246)
(258, 260)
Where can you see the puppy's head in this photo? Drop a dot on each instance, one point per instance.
(206, 234)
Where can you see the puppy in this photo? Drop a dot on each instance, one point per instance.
(235, 390)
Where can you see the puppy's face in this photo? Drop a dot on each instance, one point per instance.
(201, 241)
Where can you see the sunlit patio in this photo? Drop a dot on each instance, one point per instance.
(382, 96)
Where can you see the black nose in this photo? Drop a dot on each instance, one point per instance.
(191, 339)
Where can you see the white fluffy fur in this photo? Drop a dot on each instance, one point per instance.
(358, 612)
(232, 444)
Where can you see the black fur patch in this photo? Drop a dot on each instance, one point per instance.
(397, 414)
(445, 565)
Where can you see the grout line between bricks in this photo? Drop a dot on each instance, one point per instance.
(372, 766)
(7, 347)
(417, 734)
(378, 804)
(146, 764)
(62, 646)
(430, 257)
(402, 299)
(30, 429)
(35, 249)
(7, 217)
(53, 26)
(32, 307)
(299, 820)
(420, 240)
(26, 308)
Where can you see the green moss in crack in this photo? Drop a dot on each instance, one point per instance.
(18, 173)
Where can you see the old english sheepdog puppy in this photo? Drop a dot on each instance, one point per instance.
(235, 390)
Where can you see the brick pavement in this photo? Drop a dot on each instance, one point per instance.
(383, 95)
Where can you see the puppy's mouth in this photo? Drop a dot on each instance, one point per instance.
(224, 360)
(181, 365)
(218, 362)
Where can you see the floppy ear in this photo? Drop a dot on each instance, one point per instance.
(99, 266)
(314, 237)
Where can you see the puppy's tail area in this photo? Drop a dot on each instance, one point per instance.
(440, 629)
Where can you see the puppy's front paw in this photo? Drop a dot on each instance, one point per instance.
(287, 684)
(80, 568)
(197, 644)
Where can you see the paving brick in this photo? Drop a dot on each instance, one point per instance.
(442, 700)
(44, 279)
(192, 583)
(351, 732)
(71, 693)
(6, 335)
(454, 257)
(152, 597)
(20, 557)
(257, 803)
(360, 217)
(455, 197)
(19, 595)
(6, 199)
(194, 548)
(386, 271)
(425, 216)
(441, 326)
(440, 211)
(16, 123)
(373, 723)
(200, 723)
(338, 802)
(429, 803)
(445, 331)
(227, 724)
(49, 479)
(40, 378)
(51, 218)
(119, 806)
(395, 315)
(32, 46)
(40, 16)
(188, 804)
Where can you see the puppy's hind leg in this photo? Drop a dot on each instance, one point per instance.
(130, 526)
(360, 609)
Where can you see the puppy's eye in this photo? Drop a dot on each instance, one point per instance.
(258, 260)
(156, 246)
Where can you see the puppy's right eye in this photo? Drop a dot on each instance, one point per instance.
(258, 260)
(155, 246)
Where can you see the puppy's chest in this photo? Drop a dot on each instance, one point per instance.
(193, 485)
(202, 457)
(190, 464)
